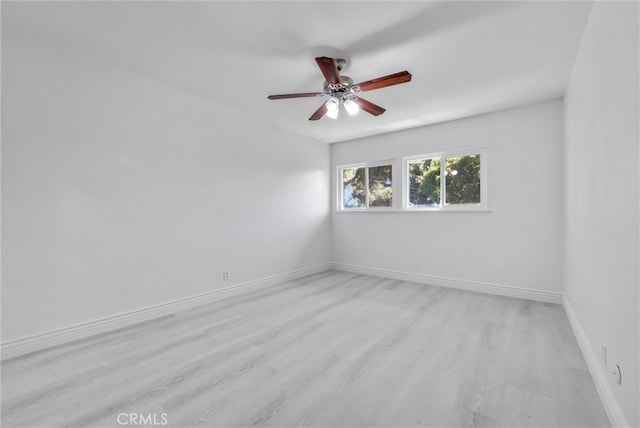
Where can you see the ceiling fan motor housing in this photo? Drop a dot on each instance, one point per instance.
(341, 89)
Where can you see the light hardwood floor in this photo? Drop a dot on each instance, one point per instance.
(332, 349)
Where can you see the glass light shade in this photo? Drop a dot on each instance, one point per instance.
(351, 107)
(333, 114)
(332, 104)
(332, 107)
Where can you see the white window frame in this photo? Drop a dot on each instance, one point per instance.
(484, 202)
(366, 166)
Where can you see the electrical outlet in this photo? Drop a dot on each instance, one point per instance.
(225, 276)
(604, 354)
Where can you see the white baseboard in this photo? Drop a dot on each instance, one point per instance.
(25, 345)
(600, 378)
(501, 290)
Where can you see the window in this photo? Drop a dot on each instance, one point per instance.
(366, 186)
(446, 181)
(353, 194)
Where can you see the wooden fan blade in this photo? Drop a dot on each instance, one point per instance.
(381, 82)
(319, 113)
(368, 106)
(299, 95)
(329, 69)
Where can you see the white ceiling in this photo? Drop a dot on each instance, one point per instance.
(466, 58)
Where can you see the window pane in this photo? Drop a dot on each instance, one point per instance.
(463, 180)
(353, 187)
(380, 186)
(424, 183)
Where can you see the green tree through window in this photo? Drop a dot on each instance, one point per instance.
(380, 194)
(353, 187)
(463, 180)
(462, 183)
(424, 182)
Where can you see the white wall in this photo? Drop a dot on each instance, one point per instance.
(601, 220)
(121, 193)
(518, 244)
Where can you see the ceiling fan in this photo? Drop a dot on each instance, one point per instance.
(342, 91)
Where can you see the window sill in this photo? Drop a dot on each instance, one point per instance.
(415, 211)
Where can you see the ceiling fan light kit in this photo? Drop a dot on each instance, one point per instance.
(342, 91)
